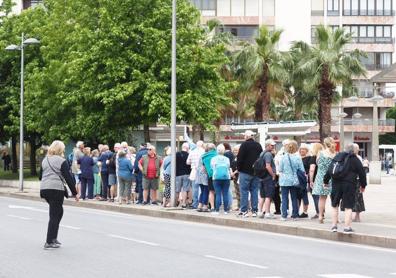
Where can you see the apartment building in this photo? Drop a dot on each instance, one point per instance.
(371, 23)
(20, 5)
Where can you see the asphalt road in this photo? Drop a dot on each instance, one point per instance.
(105, 244)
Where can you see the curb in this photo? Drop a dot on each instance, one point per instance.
(371, 240)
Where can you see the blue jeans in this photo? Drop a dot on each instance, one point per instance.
(86, 182)
(316, 202)
(221, 189)
(195, 193)
(248, 183)
(139, 186)
(285, 200)
(203, 197)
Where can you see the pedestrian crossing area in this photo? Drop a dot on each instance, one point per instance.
(339, 275)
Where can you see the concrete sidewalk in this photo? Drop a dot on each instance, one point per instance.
(378, 226)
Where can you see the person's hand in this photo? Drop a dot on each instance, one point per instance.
(311, 184)
(325, 185)
(362, 189)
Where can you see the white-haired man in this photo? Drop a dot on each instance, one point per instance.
(77, 155)
(193, 160)
(248, 153)
(183, 170)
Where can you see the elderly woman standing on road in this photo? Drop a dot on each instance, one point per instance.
(55, 172)
(323, 161)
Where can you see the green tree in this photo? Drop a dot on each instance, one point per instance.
(259, 67)
(329, 64)
(107, 69)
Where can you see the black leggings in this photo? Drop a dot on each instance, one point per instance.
(54, 199)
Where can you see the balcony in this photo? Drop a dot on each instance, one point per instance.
(369, 13)
(372, 40)
(376, 66)
(317, 13)
(364, 125)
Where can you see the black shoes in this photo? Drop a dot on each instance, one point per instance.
(48, 246)
(303, 215)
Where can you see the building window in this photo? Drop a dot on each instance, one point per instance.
(204, 5)
(332, 7)
(245, 33)
(377, 60)
(370, 33)
(368, 7)
(31, 3)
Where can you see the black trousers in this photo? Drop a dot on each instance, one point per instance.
(277, 199)
(54, 199)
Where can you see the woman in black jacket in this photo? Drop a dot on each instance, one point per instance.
(55, 172)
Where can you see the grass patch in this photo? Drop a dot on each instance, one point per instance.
(8, 175)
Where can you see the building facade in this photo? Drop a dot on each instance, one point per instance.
(371, 23)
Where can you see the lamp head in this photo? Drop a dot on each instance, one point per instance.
(12, 47)
(31, 41)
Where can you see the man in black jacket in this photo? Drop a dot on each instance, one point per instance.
(344, 187)
(248, 154)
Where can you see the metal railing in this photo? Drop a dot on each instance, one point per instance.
(373, 40)
(367, 122)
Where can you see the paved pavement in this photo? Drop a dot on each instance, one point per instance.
(378, 226)
(108, 244)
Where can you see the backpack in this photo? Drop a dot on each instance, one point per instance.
(259, 169)
(221, 171)
(340, 165)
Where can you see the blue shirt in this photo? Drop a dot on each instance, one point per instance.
(139, 155)
(103, 158)
(125, 168)
(167, 165)
(86, 167)
(287, 176)
(95, 167)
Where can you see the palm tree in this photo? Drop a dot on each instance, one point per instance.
(260, 67)
(328, 64)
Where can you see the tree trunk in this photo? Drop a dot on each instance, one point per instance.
(33, 161)
(201, 133)
(325, 99)
(263, 101)
(146, 130)
(14, 154)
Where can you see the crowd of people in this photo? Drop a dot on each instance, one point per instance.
(222, 178)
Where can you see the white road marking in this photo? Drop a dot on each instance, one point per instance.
(19, 217)
(134, 240)
(392, 273)
(27, 208)
(268, 277)
(351, 275)
(235, 262)
(70, 227)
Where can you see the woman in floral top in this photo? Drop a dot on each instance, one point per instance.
(323, 161)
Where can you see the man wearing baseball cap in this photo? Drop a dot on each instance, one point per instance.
(248, 154)
(268, 182)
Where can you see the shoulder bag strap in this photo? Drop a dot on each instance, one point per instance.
(53, 170)
(291, 164)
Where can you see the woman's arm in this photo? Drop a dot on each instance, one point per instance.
(71, 182)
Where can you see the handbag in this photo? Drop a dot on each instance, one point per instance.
(66, 193)
(302, 178)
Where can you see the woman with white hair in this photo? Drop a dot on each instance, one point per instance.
(55, 172)
(221, 178)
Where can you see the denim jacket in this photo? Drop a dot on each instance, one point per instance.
(287, 176)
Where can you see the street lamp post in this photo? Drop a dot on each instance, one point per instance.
(375, 164)
(173, 108)
(21, 47)
(357, 115)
